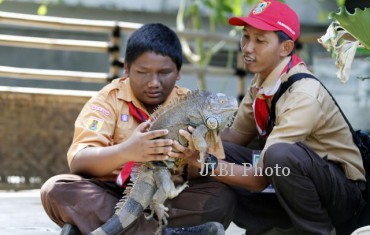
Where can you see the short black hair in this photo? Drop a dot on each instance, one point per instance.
(157, 38)
(284, 37)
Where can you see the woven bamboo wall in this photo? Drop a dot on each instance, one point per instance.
(35, 133)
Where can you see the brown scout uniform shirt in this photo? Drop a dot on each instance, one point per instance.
(105, 119)
(304, 113)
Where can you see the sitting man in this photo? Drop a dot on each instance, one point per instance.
(111, 132)
(322, 185)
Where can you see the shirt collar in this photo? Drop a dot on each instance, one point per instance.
(125, 93)
(268, 84)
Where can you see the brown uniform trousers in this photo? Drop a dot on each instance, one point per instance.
(315, 197)
(88, 203)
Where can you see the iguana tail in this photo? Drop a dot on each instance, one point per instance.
(132, 205)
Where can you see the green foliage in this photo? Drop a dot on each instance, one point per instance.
(356, 24)
(250, 2)
(363, 51)
(341, 2)
(220, 9)
(347, 36)
(42, 10)
(190, 16)
(44, 5)
(236, 9)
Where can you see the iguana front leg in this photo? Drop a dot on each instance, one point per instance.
(199, 142)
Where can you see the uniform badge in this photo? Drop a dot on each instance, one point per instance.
(95, 123)
(124, 117)
(261, 7)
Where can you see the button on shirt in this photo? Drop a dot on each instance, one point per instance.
(304, 113)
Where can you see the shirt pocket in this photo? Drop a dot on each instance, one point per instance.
(124, 128)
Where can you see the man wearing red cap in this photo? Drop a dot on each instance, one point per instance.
(309, 156)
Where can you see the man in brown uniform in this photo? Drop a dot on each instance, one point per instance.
(309, 156)
(111, 132)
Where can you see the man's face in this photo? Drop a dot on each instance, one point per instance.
(152, 78)
(261, 49)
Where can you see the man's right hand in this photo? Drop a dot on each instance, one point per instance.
(145, 146)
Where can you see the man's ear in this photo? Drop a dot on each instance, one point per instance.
(287, 47)
(126, 70)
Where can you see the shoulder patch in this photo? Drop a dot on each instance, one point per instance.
(95, 123)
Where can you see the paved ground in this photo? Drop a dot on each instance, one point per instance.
(22, 213)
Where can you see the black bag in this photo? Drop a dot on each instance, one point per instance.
(360, 138)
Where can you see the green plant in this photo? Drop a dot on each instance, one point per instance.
(347, 36)
(191, 15)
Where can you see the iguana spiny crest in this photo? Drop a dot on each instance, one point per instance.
(207, 112)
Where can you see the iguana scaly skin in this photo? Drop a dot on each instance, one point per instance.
(208, 113)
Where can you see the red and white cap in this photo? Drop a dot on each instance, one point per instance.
(271, 16)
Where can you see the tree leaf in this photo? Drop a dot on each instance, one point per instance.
(342, 47)
(356, 24)
(341, 2)
(208, 3)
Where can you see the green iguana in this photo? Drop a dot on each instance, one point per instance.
(209, 114)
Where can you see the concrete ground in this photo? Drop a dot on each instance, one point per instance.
(22, 213)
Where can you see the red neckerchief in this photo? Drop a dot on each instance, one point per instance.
(126, 170)
(260, 106)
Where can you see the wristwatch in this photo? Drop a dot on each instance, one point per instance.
(213, 162)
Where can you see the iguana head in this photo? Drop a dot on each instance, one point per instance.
(218, 111)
